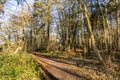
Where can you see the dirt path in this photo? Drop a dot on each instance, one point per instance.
(60, 71)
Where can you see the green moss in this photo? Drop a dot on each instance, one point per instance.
(19, 67)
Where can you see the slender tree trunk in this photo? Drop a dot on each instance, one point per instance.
(48, 23)
(118, 32)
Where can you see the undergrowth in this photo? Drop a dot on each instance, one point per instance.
(19, 67)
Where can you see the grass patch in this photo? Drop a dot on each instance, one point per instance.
(19, 67)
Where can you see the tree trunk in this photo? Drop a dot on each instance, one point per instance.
(89, 27)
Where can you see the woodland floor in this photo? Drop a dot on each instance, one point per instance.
(59, 68)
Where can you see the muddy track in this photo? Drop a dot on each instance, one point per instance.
(54, 70)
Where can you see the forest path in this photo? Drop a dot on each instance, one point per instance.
(59, 70)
